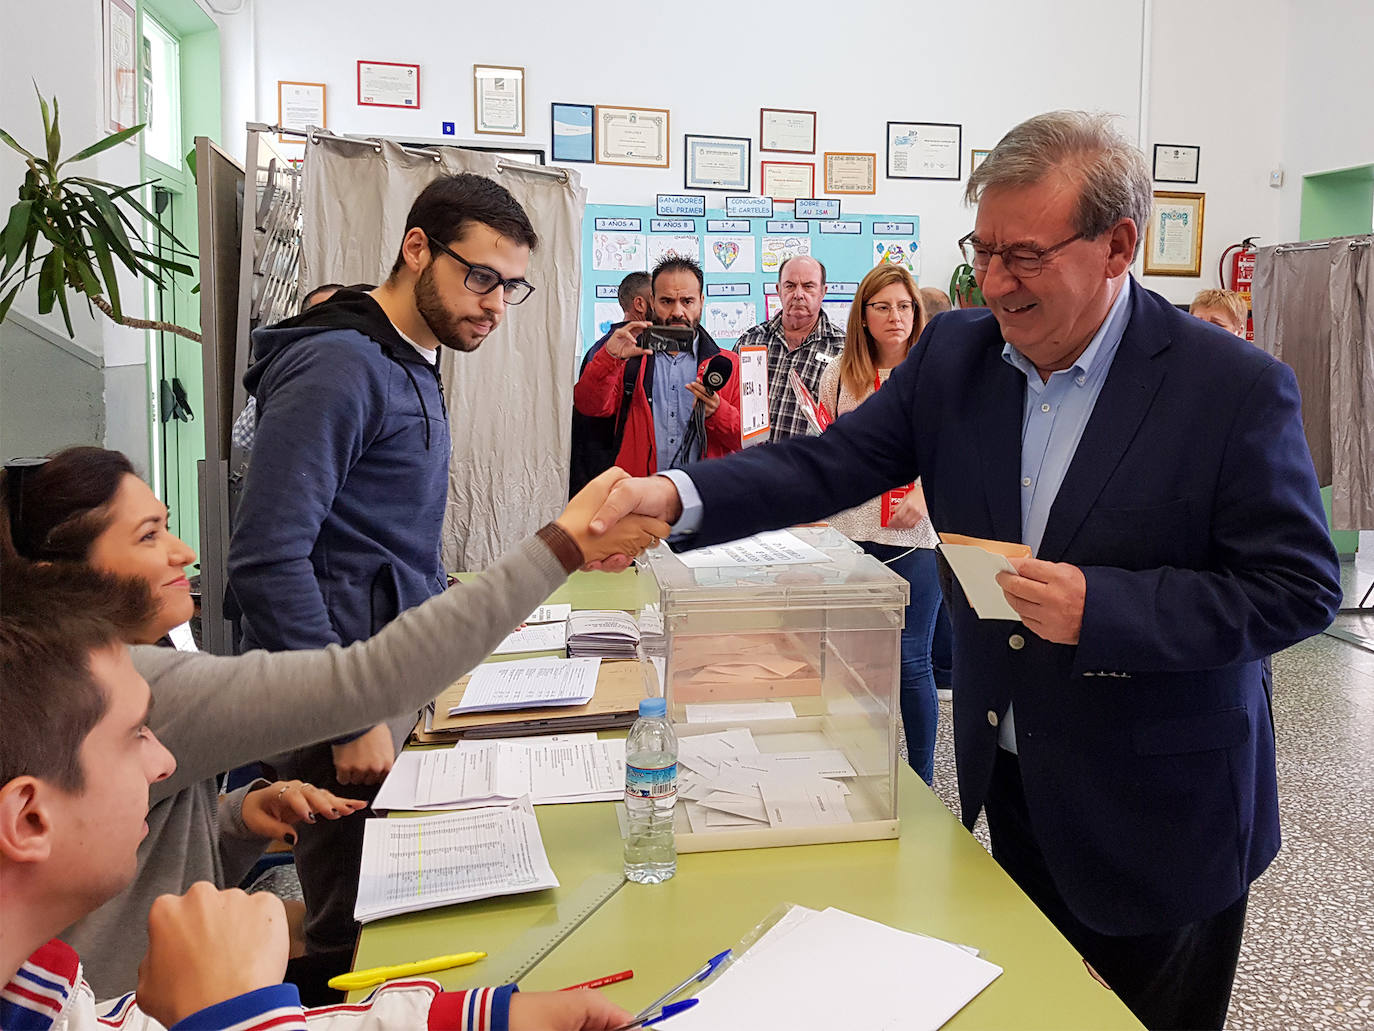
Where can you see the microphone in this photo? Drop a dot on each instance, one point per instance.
(717, 373)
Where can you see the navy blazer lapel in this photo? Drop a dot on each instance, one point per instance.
(998, 416)
(1126, 396)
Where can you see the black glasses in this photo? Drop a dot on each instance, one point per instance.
(1021, 261)
(483, 279)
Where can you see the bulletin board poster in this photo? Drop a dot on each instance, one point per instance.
(738, 256)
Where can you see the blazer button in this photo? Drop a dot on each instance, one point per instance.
(992, 718)
(1016, 642)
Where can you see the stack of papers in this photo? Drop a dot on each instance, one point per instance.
(545, 630)
(603, 633)
(409, 865)
(528, 683)
(651, 629)
(550, 770)
(727, 783)
(863, 975)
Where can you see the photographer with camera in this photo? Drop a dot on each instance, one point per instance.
(670, 387)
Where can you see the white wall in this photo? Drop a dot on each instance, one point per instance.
(1196, 51)
(1328, 106)
(58, 44)
(715, 63)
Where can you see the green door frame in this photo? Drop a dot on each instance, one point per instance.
(176, 446)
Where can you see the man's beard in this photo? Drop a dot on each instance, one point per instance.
(692, 323)
(447, 328)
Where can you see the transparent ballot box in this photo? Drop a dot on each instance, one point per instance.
(782, 685)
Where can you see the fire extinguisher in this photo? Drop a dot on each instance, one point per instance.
(1240, 259)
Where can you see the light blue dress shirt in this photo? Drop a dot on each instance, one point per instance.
(1055, 413)
(1052, 422)
(672, 404)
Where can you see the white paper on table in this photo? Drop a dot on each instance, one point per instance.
(594, 768)
(548, 769)
(534, 637)
(803, 803)
(774, 548)
(529, 683)
(731, 712)
(872, 976)
(550, 614)
(413, 864)
(977, 570)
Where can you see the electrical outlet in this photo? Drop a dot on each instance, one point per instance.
(1276, 178)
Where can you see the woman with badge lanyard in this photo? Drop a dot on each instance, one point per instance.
(886, 319)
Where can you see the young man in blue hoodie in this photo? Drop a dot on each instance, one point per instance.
(338, 528)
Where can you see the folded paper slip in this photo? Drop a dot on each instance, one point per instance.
(976, 562)
(619, 688)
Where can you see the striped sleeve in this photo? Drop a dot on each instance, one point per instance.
(275, 1008)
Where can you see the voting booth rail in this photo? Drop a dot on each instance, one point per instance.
(782, 682)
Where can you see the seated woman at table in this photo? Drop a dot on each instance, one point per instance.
(86, 509)
(887, 317)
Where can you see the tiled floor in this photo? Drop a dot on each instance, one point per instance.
(1308, 958)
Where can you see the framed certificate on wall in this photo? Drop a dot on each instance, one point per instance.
(300, 105)
(1173, 238)
(790, 132)
(787, 180)
(498, 100)
(632, 136)
(1176, 163)
(387, 84)
(924, 150)
(851, 173)
(716, 162)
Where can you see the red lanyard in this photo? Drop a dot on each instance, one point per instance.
(891, 498)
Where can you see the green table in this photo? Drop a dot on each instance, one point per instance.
(935, 879)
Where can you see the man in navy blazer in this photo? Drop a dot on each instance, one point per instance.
(1119, 736)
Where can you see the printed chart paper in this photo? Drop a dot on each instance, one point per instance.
(414, 864)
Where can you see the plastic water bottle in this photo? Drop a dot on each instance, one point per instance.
(651, 795)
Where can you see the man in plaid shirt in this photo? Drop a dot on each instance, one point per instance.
(799, 337)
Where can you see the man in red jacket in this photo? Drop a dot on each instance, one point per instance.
(669, 416)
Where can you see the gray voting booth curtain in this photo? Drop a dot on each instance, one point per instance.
(1314, 309)
(509, 402)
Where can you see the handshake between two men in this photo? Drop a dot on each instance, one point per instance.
(1048, 596)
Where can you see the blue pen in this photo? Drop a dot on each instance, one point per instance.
(710, 968)
(670, 1010)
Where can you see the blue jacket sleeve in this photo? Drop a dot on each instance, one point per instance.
(802, 479)
(1272, 577)
(320, 404)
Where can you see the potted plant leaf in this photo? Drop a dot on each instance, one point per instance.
(87, 225)
(963, 288)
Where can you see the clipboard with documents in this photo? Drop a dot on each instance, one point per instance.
(620, 685)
